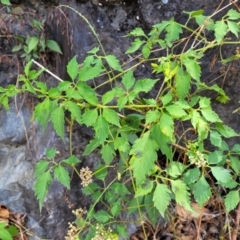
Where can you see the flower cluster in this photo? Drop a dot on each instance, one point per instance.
(79, 212)
(198, 159)
(86, 176)
(72, 232)
(102, 234)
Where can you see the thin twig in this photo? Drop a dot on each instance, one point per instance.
(46, 70)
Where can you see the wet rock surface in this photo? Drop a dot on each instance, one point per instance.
(23, 143)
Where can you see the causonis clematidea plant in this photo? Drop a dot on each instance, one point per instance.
(131, 128)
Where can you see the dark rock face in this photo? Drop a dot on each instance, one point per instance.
(22, 142)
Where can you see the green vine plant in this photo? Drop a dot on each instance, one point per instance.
(133, 127)
(34, 46)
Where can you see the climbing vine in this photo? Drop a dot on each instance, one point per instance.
(138, 120)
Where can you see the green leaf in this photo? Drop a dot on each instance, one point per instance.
(101, 172)
(135, 45)
(51, 152)
(179, 188)
(121, 102)
(128, 80)
(102, 216)
(221, 174)
(42, 111)
(75, 111)
(161, 198)
(167, 125)
(33, 43)
(94, 50)
(122, 231)
(192, 67)
(5, 235)
(194, 13)
(166, 98)
(152, 116)
(16, 48)
(116, 208)
(162, 140)
(111, 116)
(62, 175)
(72, 68)
(137, 32)
(90, 72)
(144, 188)
(91, 146)
(113, 62)
(226, 131)
(144, 156)
(173, 31)
(233, 27)
(236, 148)
(87, 93)
(57, 118)
(210, 115)
(40, 168)
(12, 230)
(235, 164)
(110, 95)
(175, 169)
(64, 86)
(146, 51)
(215, 157)
(89, 117)
(42, 86)
(144, 85)
(121, 144)
(183, 81)
(5, 2)
(231, 200)
(72, 160)
(119, 188)
(41, 187)
(52, 45)
(202, 191)
(107, 153)
(233, 14)
(175, 111)
(101, 128)
(191, 176)
(215, 139)
(220, 30)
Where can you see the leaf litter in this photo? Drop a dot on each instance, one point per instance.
(210, 222)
